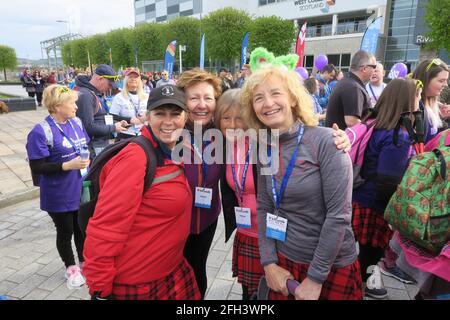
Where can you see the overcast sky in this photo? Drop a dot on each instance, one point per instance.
(25, 23)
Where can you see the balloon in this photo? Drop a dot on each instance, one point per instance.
(302, 72)
(399, 70)
(320, 62)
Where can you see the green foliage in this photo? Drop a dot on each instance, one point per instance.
(186, 30)
(275, 34)
(79, 53)
(437, 18)
(149, 39)
(122, 52)
(224, 30)
(98, 49)
(66, 53)
(8, 59)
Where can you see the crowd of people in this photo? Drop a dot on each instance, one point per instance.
(306, 221)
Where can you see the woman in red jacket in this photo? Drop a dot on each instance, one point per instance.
(134, 242)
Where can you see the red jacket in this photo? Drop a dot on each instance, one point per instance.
(134, 238)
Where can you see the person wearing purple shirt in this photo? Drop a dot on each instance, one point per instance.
(54, 149)
(384, 165)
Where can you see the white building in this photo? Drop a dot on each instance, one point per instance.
(335, 27)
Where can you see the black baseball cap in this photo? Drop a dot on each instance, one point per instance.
(166, 95)
(107, 72)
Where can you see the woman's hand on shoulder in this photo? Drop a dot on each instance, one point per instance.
(341, 139)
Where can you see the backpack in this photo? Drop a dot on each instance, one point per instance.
(45, 125)
(91, 183)
(359, 136)
(420, 208)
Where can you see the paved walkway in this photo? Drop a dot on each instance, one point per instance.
(30, 268)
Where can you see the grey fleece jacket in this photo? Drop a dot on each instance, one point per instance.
(317, 204)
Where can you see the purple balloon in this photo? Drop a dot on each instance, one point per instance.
(399, 70)
(302, 72)
(321, 61)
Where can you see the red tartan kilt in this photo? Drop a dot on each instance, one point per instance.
(180, 284)
(342, 283)
(370, 228)
(246, 262)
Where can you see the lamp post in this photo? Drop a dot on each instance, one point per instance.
(181, 48)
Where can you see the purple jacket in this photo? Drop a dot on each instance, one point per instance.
(203, 218)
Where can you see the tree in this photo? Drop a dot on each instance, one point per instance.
(149, 41)
(98, 49)
(8, 59)
(186, 30)
(122, 52)
(224, 30)
(66, 53)
(79, 53)
(273, 33)
(437, 19)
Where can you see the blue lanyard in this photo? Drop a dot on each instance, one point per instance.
(373, 93)
(76, 146)
(204, 165)
(240, 189)
(104, 104)
(277, 198)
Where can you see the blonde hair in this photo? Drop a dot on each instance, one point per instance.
(140, 89)
(303, 109)
(231, 98)
(55, 95)
(197, 75)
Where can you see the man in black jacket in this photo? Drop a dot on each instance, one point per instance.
(92, 108)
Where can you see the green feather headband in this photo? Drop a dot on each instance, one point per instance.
(260, 57)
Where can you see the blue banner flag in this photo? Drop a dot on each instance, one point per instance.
(369, 41)
(202, 52)
(169, 58)
(244, 49)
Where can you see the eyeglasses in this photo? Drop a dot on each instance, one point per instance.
(369, 65)
(115, 78)
(436, 62)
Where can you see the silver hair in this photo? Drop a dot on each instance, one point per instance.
(360, 58)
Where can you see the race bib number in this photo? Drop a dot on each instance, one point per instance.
(243, 217)
(276, 227)
(203, 198)
(109, 120)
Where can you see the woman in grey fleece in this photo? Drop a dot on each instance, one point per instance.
(314, 208)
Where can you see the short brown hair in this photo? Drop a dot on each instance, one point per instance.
(197, 75)
(311, 85)
(398, 97)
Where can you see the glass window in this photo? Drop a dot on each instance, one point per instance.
(334, 59)
(345, 59)
(262, 2)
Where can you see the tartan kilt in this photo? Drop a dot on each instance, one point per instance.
(370, 228)
(180, 284)
(246, 262)
(342, 283)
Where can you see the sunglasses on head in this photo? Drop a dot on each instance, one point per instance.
(115, 78)
(62, 90)
(436, 62)
(419, 84)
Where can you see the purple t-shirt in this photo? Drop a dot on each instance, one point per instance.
(60, 192)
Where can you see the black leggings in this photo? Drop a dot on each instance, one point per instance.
(39, 97)
(66, 224)
(196, 253)
(368, 256)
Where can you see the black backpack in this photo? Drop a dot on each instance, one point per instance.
(91, 183)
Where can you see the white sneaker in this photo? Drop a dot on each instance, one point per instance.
(374, 285)
(75, 279)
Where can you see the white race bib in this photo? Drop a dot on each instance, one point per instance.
(276, 227)
(109, 120)
(203, 198)
(243, 217)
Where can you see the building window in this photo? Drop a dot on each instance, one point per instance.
(318, 29)
(351, 25)
(308, 63)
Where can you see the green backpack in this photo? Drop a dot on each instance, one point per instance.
(420, 208)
